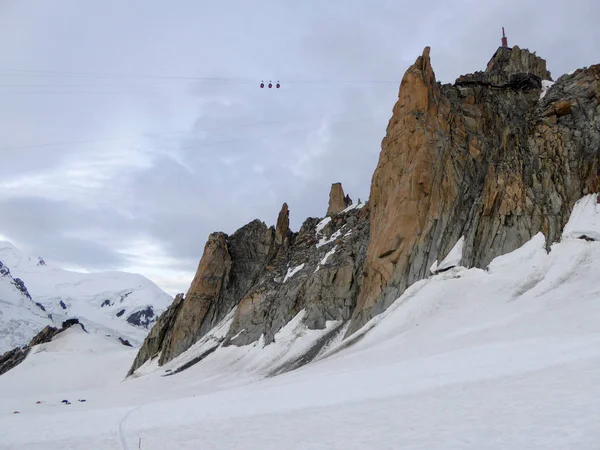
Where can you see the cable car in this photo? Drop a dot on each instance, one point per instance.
(262, 84)
(270, 85)
(277, 85)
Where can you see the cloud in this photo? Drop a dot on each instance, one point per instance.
(70, 234)
(157, 161)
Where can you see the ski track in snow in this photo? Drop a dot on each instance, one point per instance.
(122, 436)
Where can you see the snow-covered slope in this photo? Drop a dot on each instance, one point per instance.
(507, 357)
(116, 303)
(20, 317)
(585, 219)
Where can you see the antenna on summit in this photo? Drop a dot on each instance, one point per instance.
(504, 40)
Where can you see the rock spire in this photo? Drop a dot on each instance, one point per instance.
(337, 200)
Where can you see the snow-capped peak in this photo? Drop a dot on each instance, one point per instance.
(119, 304)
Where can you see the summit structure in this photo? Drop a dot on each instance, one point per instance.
(510, 67)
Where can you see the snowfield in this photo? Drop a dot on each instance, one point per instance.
(20, 317)
(503, 358)
(107, 303)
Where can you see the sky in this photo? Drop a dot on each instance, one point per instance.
(131, 130)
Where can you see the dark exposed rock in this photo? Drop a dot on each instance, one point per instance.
(62, 304)
(141, 318)
(20, 285)
(586, 238)
(12, 358)
(41, 261)
(194, 361)
(160, 334)
(39, 305)
(326, 290)
(69, 323)
(4, 271)
(45, 335)
(347, 201)
(524, 81)
(105, 303)
(120, 313)
(125, 342)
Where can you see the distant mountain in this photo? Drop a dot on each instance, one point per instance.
(20, 317)
(34, 294)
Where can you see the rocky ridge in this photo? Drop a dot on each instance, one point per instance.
(266, 275)
(495, 164)
(12, 358)
(487, 161)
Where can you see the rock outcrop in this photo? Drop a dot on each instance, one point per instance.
(12, 358)
(282, 228)
(492, 163)
(508, 61)
(321, 274)
(160, 335)
(264, 276)
(16, 356)
(337, 200)
(142, 318)
(201, 304)
(486, 161)
(17, 283)
(510, 67)
(229, 267)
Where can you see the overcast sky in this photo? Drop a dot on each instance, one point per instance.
(151, 161)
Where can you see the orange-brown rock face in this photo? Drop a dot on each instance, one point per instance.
(227, 269)
(414, 183)
(206, 287)
(337, 200)
(282, 227)
(485, 159)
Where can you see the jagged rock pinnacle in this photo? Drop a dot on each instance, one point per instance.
(337, 199)
(283, 224)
